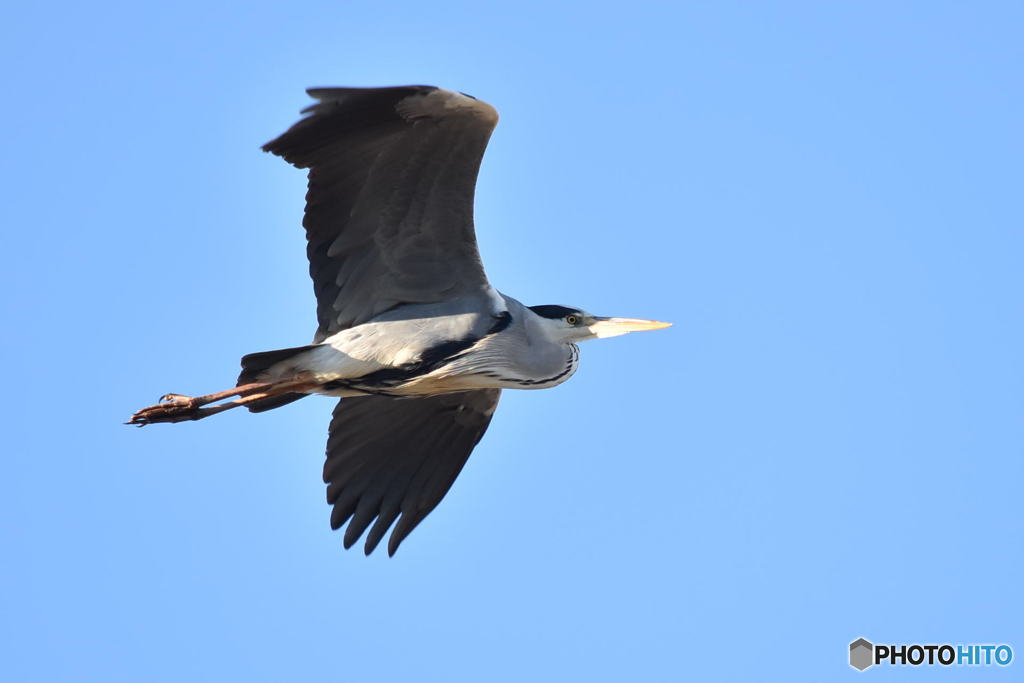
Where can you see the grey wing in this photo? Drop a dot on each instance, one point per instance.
(389, 211)
(390, 457)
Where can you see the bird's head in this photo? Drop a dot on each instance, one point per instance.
(574, 325)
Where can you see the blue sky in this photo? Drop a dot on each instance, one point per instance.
(824, 197)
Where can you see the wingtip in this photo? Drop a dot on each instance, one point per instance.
(393, 543)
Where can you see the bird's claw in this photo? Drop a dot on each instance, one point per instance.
(170, 408)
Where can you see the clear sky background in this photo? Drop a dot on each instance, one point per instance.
(824, 197)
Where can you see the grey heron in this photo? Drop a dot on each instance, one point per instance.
(412, 337)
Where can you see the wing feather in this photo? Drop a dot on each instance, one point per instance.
(394, 459)
(389, 210)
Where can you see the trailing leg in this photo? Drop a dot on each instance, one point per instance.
(178, 408)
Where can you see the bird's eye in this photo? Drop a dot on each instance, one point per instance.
(572, 319)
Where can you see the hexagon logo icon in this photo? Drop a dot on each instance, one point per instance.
(862, 654)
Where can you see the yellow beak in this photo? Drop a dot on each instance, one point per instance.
(613, 327)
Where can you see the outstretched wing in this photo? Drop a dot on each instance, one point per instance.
(389, 211)
(399, 456)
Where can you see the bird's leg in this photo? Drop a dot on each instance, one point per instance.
(196, 401)
(178, 408)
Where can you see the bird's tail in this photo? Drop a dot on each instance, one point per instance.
(254, 365)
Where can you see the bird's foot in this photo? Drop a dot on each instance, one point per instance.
(171, 408)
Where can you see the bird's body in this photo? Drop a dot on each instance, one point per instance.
(412, 337)
(419, 350)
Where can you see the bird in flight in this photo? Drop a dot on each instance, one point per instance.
(412, 337)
